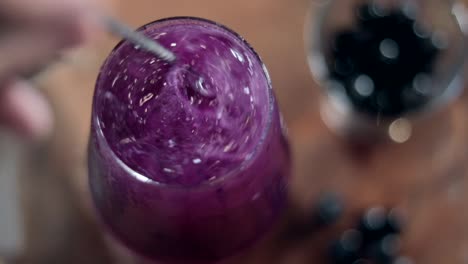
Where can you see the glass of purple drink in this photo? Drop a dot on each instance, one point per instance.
(188, 162)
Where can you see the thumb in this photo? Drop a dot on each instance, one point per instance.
(24, 110)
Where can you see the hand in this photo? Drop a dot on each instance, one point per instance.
(32, 33)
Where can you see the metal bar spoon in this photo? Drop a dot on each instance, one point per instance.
(121, 30)
(118, 28)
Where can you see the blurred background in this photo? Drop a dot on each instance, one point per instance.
(425, 177)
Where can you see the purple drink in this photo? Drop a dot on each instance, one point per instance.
(188, 161)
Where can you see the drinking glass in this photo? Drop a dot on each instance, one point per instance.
(188, 162)
(385, 65)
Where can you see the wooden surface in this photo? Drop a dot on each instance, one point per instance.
(425, 177)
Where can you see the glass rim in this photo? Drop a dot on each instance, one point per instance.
(245, 164)
(452, 78)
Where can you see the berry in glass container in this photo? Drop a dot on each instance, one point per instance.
(385, 62)
(385, 66)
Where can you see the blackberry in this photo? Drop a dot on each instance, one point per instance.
(375, 240)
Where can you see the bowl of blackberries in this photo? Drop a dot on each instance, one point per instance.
(387, 59)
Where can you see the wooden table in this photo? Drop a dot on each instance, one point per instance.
(425, 177)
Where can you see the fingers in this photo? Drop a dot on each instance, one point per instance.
(54, 26)
(45, 10)
(25, 111)
(33, 33)
(23, 51)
